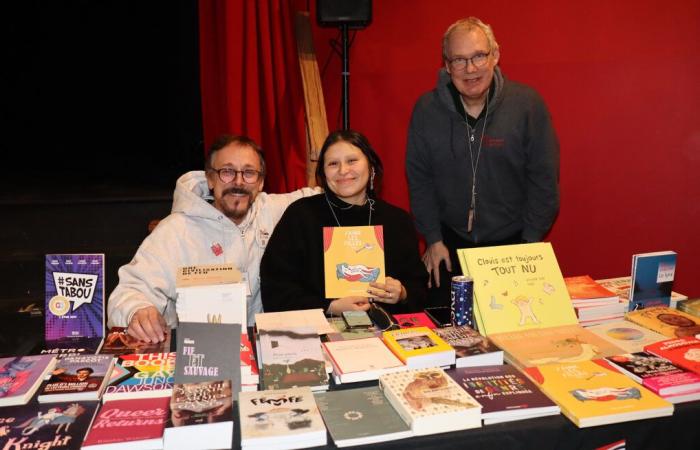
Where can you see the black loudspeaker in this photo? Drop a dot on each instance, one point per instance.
(353, 13)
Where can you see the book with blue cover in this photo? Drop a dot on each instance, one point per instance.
(652, 279)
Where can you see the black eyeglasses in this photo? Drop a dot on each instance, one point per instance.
(460, 63)
(228, 174)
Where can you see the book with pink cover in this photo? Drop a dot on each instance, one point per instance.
(21, 376)
(660, 375)
(410, 320)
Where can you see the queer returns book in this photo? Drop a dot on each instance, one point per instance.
(74, 296)
(353, 257)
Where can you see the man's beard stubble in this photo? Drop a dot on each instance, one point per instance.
(235, 213)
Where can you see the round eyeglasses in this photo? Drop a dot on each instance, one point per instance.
(228, 174)
(460, 63)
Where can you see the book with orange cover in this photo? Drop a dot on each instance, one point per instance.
(584, 290)
(665, 320)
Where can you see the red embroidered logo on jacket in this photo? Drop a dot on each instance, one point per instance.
(493, 142)
(216, 249)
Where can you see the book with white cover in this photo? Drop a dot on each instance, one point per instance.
(292, 358)
(361, 359)
(430, 401)
(280, 419)
(282, 320)
(627, 335)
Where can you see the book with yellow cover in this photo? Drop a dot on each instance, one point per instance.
(353, 257)
(591, 393)
(517, 287)
(419, 347)
(665, 320)
(565, 344)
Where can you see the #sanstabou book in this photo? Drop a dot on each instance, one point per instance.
(74, 296)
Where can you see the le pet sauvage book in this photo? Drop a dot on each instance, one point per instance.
(410, 320)
(74, 296)
(21, 376)
(211, 294)
(517, 287)
(200, 416)
(209, 352)
(430, 401)
(360, 416)
(147, 375)
(652, 279)
(683, 352)
(419, 347)
(292, 358)
(591, 393)
(353, 257)
(361, 359)
(657, 374)
(471, 348)
(77, 377)
(568, 343)
(58, 426)
(119, 342)
(667, 321)
(128, 424)
(504, 393)
(280, 419)
(627, 335)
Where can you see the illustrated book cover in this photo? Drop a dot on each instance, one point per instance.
(665, 320)
(683, 352)
(361, 359)
(285, 418)
(74, 296)
(430, 401)
(419, 347)
(119, 342)
(360, 416)
(591, 393)
(141, 376)
(292, 358)
(125, 424)
(58, 426)
(657, 374)
(471, 348)
(504, 393)
(77, 377)
(652, 279)
(353, 257)
(21, 376)
(584, 290)
(569, 343)
(627, 335)
(343, 332)
(517, 287)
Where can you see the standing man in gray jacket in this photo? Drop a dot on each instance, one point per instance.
(482, 159)
(219, 216)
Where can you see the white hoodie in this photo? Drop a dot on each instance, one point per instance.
(196, 233)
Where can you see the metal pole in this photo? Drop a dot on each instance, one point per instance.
(346, 78)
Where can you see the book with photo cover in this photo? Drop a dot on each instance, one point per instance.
(77, 377)
(657, 374)
(652, 279)
(471, 348)
(683, 352)
(419, 347)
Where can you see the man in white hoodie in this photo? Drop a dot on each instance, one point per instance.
(219, 216)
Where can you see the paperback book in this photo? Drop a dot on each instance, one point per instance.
(585, 291)
(627, 335)
(21, 376)
(412, 320)
(517, 287)
(665, 320)
(280, 419)
(58, 426)
(361, 359)
(200, 416)
(419, 347)
(353, 257)
(471, 348)
(622, 286)
(430, 401)
(683, 352)
(360, 416)
(652, 279)
(77, 377)
(281, 320)
(292, 358)
(343, 332)
(504, 393)
(690, 306)
(128, 424)
(74, 296)
(72, 346)
(657, 374)
(147, 375)
(119, 342)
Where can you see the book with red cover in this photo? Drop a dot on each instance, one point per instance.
(411, 320)
(585, 290)
(659, 375)
(124, 424)
(683, 352)
(119, 342)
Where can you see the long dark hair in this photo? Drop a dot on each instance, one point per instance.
(360, 141)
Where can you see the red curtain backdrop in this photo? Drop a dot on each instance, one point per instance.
(251, 84)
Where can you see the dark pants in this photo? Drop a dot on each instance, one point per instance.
(441, 296)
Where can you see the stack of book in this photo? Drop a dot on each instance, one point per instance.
(250, 376)
(627, 335)
(690, 306)
(622, 286)
(593, 303)
(361, 359)
(471, 348)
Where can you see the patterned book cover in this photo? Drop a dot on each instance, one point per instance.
(292, 358)
(592, 394)
(468, 344)
(667, 321)
(285, 415)
(74, 296)
(119, 342)
(569, 343)
(141, 376)
(129, 422)
(83, 376)
(652, 279)
(517, 287)
(683, 352)
(21, 376)
(408, 343)
(56, 426)
(411, 320)
(353, 257)
(360, 416)
(627, 335)
(427, 400)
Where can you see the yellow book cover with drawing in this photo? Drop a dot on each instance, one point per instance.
(592, 393)
(416, 341)
(565, 344)
(517, 287)
(353, 257)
